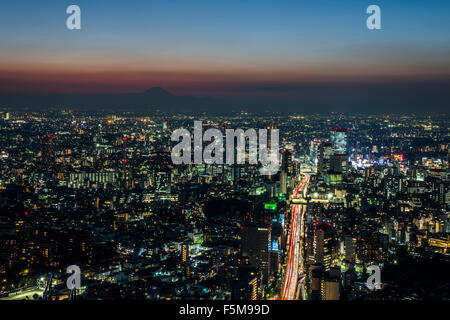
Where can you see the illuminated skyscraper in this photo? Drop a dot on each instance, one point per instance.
(325, 154)
(339, 139)
(323, 238)
(283, 182)
(349, 245)
(286, 162)
(185, 259)
(286, 170)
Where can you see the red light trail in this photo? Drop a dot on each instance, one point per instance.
(294, 242)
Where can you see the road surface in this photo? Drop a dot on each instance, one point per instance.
(26, 294)
(295, 243)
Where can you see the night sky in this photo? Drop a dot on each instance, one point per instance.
(284, 50)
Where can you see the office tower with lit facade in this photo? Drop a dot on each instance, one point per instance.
(325, 284)
(286, 162)
(339, 141)
(325, 155)
(286, 171)
(323, 244)
(185, 259)
(331, 284)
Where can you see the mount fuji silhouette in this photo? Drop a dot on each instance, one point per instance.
(155, 98)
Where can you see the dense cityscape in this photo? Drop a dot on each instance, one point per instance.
(99, 190)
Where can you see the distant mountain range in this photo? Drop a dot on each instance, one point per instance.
(309, 98)
(153, 99)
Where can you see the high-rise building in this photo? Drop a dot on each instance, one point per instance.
(317, 276)
(85, 179)
(275, 258)
(185, 259)
(325, 154)
(184, 252)
(249, 285)
(339, 163)
(339, 139)
(286, 170)
(325, 285)
(349, 247)
(255, 245)
(162, 182)
(323, 244)
(314, 151)
(286, 162)
(330, 289)
(274, 250)
(47, 152)
(283, 182)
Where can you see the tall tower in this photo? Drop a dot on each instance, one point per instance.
(286, 170)
(47, 153)
(339, 141)
(323, 245)
(286, 162)
(325, 154)
(255, 245)
(185, 259)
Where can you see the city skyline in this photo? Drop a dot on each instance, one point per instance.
(98, 192)
(205, 154)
